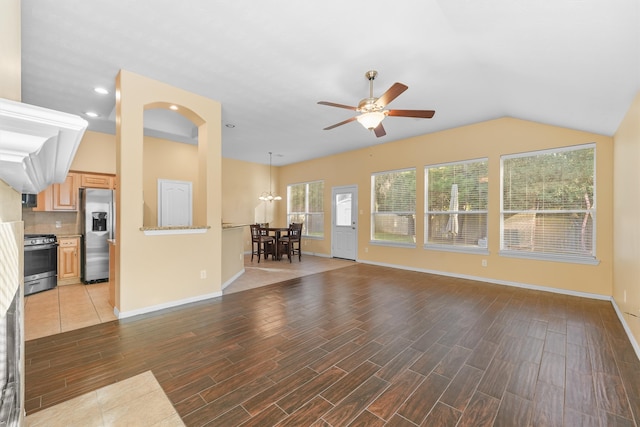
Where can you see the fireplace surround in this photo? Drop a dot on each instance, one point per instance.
(11, 324)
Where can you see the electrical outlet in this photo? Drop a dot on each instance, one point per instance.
(203, 274)
(58, 224)
(484, 262)
(366, 250)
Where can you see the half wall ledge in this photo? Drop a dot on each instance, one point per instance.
(158, 231)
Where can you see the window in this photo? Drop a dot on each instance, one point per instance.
(456, 205)
(305, 205)
(393, 207)
(548, 204)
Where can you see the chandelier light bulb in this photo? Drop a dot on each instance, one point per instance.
(269, 197)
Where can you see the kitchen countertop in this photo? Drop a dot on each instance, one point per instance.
(179, 227)
(183, 229)
(228, 225)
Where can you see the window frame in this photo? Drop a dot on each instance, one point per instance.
(477, 249)
(546, 256)
(306, 214)
(374, 213)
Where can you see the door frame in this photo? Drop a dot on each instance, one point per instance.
(354, 215)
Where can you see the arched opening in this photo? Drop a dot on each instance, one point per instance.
(171, 167)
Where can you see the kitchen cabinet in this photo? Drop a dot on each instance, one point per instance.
(92, 180)
(64, 196)
(60, 197)
(68, 260)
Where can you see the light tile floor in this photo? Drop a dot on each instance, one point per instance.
(71, 307)
(136, 401)
(268, 271)
(66, 308)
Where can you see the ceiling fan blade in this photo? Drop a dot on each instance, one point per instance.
(421, 114)
(392, 93)
(379, 130)
(340, 124)
(333, 104)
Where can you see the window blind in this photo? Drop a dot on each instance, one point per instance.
(305, 204)
(393, 206)
(456, 204)
(548, 203)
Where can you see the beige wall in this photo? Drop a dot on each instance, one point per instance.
(232, 254)
(160, 270)
(96, 153)
(626, 223)
(166, 160)
(488, 139)
(242, 182)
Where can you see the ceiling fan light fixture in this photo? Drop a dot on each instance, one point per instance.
(371, 120)
(372, 110)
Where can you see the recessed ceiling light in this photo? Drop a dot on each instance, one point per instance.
(101, 90)
(91, 114)
(173, 107)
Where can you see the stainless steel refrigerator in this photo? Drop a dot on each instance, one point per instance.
(97, 210)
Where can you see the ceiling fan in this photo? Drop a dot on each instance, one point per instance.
(372, 110)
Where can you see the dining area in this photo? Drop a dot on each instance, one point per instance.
(276, 242)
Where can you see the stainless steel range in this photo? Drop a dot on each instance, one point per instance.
(40, 262)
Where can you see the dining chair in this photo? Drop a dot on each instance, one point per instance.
(261, 242)
(290, 243)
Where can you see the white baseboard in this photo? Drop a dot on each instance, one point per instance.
(315, 254)
(231, 280)
(496, 282)
(625, 325)
(145, 310)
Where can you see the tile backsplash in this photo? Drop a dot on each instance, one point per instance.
(46, 222)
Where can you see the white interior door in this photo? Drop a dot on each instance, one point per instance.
(344, 224)
(174, 203)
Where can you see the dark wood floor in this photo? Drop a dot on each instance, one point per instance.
(362, 346)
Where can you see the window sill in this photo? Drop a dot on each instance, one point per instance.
(394, 244)
(457, 249)
(552, 258)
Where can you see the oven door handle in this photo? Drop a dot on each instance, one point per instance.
(40, 247)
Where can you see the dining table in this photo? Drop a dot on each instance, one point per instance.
(277, 232)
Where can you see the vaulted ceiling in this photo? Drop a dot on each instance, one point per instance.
(570, 63)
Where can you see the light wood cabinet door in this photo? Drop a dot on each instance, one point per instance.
(89, 180)
(44, 200)
(69, 260)
(65, 195)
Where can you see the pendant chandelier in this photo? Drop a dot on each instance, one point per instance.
(269, 197)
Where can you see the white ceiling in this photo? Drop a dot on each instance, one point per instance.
(571, 63)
